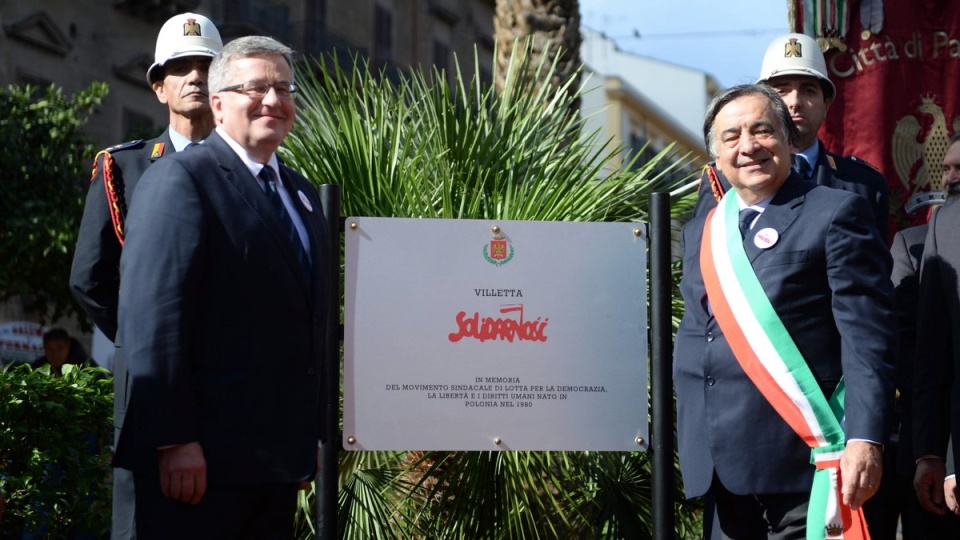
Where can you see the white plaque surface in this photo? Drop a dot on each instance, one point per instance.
(494, 335)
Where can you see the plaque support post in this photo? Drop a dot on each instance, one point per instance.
(661, 347)
(326, 480)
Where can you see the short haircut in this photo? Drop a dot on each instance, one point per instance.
(244, 47)
(788, 130)
(56, 334)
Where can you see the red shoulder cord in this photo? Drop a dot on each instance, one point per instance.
(114, 199)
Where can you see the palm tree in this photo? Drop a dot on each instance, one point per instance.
(426, 147)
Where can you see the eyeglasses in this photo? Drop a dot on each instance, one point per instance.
(258, 89)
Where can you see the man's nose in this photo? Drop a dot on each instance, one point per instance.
(748, 143)
(271, 97)
(790, 98)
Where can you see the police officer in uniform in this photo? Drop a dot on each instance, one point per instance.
(795, 67)
(185, 46)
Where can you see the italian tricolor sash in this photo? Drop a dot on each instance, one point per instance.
(770, 358)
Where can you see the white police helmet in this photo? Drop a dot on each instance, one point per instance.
(187, 34)
(796, 54)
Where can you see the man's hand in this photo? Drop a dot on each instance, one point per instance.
(861, 469)
(928, 481)
(183, 472)
(950, 494)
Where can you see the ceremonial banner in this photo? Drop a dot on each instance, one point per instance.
(494, 335)
(896, 66)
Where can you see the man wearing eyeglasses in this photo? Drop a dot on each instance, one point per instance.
(226, 246)
(185, 45)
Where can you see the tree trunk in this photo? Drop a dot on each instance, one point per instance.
(554, 29)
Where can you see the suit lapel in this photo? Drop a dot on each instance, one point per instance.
(779, 214)
(238, 175)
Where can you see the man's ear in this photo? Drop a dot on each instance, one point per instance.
(216, 107)
(160, 92)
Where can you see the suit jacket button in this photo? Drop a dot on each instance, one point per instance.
(711, 381)
(711, 336)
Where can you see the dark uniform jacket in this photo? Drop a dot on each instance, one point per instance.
(95, 275)
(834, 171)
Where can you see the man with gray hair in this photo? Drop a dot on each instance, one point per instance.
(226, 246)
(785, 352)
(795, 67)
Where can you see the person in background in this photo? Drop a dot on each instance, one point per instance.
(936, 393)
(60, 348)
(186, 44)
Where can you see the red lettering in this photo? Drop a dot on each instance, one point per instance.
(504, 329)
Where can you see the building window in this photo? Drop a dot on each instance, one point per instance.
(36, 81)
(382, 37)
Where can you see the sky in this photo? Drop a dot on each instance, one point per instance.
(725, 38)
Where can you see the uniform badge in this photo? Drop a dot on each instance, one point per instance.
(157, 150)
(191, 28)
(832, 162)
(766, 238)
(305, 201)
(793, 49)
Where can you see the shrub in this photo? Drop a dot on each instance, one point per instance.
(54, 453)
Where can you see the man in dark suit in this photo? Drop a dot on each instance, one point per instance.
(185, 45)
(225, 323)
(810, 278)
(936, 392)
(795, 67)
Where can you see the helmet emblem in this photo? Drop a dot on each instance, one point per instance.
(792, 48)
(191, 28)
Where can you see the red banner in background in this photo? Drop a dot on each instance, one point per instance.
(896, 66)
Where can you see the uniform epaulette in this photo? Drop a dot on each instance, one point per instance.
(857, 160)
(126, 146)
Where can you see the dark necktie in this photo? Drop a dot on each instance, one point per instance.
(747, 215)
(801, 165)
(268, 177)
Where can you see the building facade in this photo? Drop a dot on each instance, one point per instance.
(75, 42)
(644, 104)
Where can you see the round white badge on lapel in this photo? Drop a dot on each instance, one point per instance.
(305, 201)
(766, 238)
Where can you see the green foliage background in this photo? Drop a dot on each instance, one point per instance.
(46, 170)
(54, 462)
(423, 147)
(427, 145)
